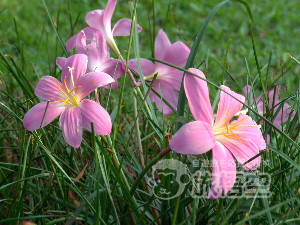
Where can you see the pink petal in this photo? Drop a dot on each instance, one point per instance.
(244, 139)
(60, 61)
(162, 44)
(270, 95)
(90, 82)
(95, 19)
(108, 12)
(47, 89)
(114, 67)
(243, 151)
(109, 67)
(177, 54)
(114, 85)
(193, 138)
(173, 76)
(101, 19)
(268, 139)
(102, 47)
(228, 106)
(97, 52)
(224, 171)
(260, 107)
(168, 93)
(79, 64)
(93, 112)
(147, 66)
(283, 114)
(198, 97)
(123, 27)
(69, 120)
(89, 31)
(33, 118)
(248, 130)
(81, 43)
(94, 61)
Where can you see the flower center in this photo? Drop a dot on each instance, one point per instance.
(231, 130)
(70, 97)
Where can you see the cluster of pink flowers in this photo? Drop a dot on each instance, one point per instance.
(93, 67)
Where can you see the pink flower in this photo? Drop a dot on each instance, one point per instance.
(283, 114)
(100, 21)
(99, 59)
(66, 99)
(241, 138)
(168, 80)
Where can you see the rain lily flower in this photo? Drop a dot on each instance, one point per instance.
(66, 99)
(240, 138)
(100, 21)
(168, 80)
(99, 59)
(283, 114)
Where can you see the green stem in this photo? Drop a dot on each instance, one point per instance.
(176, 210)
(258, 66)
(147, 167)
(138, 136)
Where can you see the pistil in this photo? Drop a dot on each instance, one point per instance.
(150, 76)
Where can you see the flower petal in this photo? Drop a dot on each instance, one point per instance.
(248, 130)
(177, 54)
(33, 118)
(108, 12)
(90, 82)
(89, 32)
(97, 52)
(114, 85)
(101, 19)
(243, 151)
(60, 61)
(162, 44)
(48, 88)
(147, 66)
(227, 106)
(123, 27)
(78, 63)
(283, 114)
(93, 112)
(69, 120)
(173, 76)
(224, 171)
(109, 67)
(168, 93)
(114, 67)
(95, 19)
(270, 95)
(193, 138)
(198, 97)
(81, 43)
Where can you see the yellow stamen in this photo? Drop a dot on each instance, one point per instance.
(65, 102)
(75, 99)
(61, 90)
(58, 101)
(74, 89)
(66, 86)
(232, 126)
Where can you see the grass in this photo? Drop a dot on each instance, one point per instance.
(44, 180)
